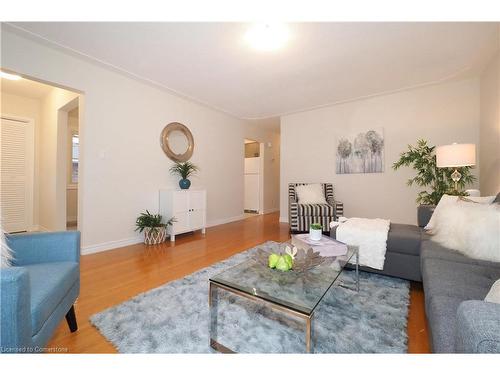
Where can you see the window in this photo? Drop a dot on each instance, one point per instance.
(74, 158)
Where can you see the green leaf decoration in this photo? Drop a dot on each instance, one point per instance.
(184, 170)
(422, 159)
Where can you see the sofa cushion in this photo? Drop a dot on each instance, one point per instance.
(315, 210)
(49, 283)
(431, 249)
(459, 280)
(441, 314)
(404, 239)
(478, 327)
(493, 295)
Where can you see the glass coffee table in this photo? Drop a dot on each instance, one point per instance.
(291, 292)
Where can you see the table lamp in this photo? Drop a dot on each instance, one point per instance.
(454, 156)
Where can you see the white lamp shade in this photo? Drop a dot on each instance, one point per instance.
(456, 155)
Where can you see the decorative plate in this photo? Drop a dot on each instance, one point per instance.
(303, 261)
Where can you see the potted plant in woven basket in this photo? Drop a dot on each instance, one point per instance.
(155, 231)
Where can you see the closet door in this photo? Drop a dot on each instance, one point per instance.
(16, 175)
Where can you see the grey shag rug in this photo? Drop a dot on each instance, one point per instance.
(173, 318)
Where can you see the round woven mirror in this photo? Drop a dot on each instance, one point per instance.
(177, 142)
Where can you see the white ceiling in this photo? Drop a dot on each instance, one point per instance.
(323, 63)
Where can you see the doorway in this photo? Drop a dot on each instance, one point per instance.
(39, 141)
(254, 178)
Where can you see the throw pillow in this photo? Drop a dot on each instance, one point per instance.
(310, 194)
(452, 199)
(445, 200)
(470, 228)
(494, 293)
(497, 199)
(6, 256)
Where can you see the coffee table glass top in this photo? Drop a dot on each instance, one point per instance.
(298, 291)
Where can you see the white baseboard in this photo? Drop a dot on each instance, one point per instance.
(283, 220)
(270, 210)
(213, 223)
(110, 245)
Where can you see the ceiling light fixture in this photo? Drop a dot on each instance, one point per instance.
(267, 37)
(12, 77)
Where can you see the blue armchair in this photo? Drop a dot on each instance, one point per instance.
(39, 289)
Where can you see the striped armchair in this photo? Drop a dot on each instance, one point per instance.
(300, 216)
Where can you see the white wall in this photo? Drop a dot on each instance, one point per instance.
(441, 114)
(24, 107)
(122, 164)
(489, 156)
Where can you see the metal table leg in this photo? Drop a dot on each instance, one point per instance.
(357, 270)
(213, 299)
(309, 335)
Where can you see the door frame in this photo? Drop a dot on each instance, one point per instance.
(261, 178)
(62, 164)
(30, 195)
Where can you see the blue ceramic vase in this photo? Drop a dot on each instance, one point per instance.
(184, 183)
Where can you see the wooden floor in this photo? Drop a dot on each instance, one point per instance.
(112, 277)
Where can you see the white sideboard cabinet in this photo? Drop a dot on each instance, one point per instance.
(189, 207)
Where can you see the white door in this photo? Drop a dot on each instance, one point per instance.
(16, 174)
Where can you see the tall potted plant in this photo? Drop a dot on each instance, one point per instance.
(437, 181)
(184, 170)
(155, 231)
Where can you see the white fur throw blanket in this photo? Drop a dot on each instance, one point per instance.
(472, 229)
(371, 237)
(6, 256)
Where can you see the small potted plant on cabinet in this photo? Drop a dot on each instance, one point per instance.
(184, 170)
(155, 231)
(315, 231)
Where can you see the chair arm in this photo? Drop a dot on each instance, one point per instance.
(478, 327)
(15, 333)
(293, 208)
(338, 207)
(33, 248)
